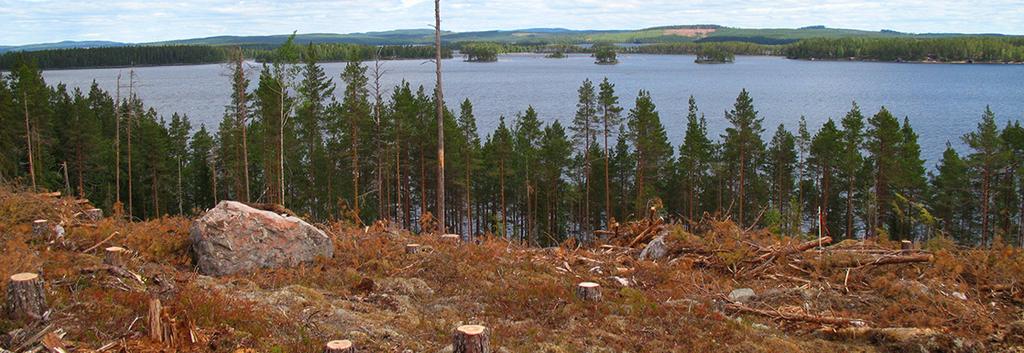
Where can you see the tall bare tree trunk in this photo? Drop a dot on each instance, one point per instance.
(607, 182)
(241, 112)
(378, 104)
(280, 144)
(117, 141)
(440, 118)
(743, 169)
(131, 115)
(28, 141)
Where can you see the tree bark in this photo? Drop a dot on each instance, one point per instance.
(28, 141)
(93, 214)
(26, 298)
(471, 339)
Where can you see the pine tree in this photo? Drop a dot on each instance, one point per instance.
(653, 151)
(883, 141)
(470, 153)
(851, 162)
(911, 185)
(610, 118)
(825, 146)
(988, 156)
(178, 133)
(584, 133)
(1013, 138)
(744, 149)
(528, 135)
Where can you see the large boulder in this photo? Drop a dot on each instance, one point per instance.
(234, 237)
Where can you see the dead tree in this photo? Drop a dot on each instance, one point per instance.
(440, 119)
(26, 298)
(471, 339)
(28, 141)
(340, 346)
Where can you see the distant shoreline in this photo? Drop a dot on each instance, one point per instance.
(925, 62)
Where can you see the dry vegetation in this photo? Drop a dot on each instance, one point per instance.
(385, 300)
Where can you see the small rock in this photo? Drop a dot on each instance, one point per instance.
(741, 295)
(621, 281)
(655, 250)
(959, 295)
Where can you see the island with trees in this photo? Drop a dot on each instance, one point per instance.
(481, 52)
(714, 55)
(605, 54)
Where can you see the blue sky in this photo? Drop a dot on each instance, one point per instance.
(36, 21)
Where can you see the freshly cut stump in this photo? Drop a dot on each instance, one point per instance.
(340, 346)
(115, 256)
(412, 248)
(471, 339)
(41, 228)
(26, 298)
(588, 291)
(906, 245)
(455, 238)
(93, 214)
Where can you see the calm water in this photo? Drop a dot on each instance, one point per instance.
(942, 101)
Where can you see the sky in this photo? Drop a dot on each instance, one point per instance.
(41, 21)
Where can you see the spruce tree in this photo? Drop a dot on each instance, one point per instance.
(825, 146)
(780, 168)
(315, 94)
(694, 163)
(952, 201)
(851, 162)
(883, 142)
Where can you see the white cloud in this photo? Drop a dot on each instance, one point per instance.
(34, 21)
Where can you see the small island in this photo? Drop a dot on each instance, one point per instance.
(556, 55)
(481, 52)
(605, 55)
(715, 55)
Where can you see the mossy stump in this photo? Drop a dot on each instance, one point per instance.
(588, 291)
(26, 298)
(471, 339)
(340, 346)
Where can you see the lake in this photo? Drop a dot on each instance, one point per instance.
(943, 101)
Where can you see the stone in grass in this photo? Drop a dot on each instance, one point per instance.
(741, 295)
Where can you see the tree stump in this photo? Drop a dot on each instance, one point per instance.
(588, 291)
(115, 256)
(454, 238)
(41, 228)
(156, 331)
(26, 298)
(906, 245)
(471, 339)
(340, 346)
(93, 214)
(412, 248)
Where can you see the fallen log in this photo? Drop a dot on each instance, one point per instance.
(796, 249)
(814, 319)
(884, 260)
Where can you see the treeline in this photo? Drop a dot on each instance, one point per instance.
(955, 49)
(726, 48)
(365, 157)
(202, 54)
(117, 56)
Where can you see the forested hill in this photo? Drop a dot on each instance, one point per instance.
(667, 34)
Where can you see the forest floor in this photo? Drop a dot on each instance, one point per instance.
(846, 297)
